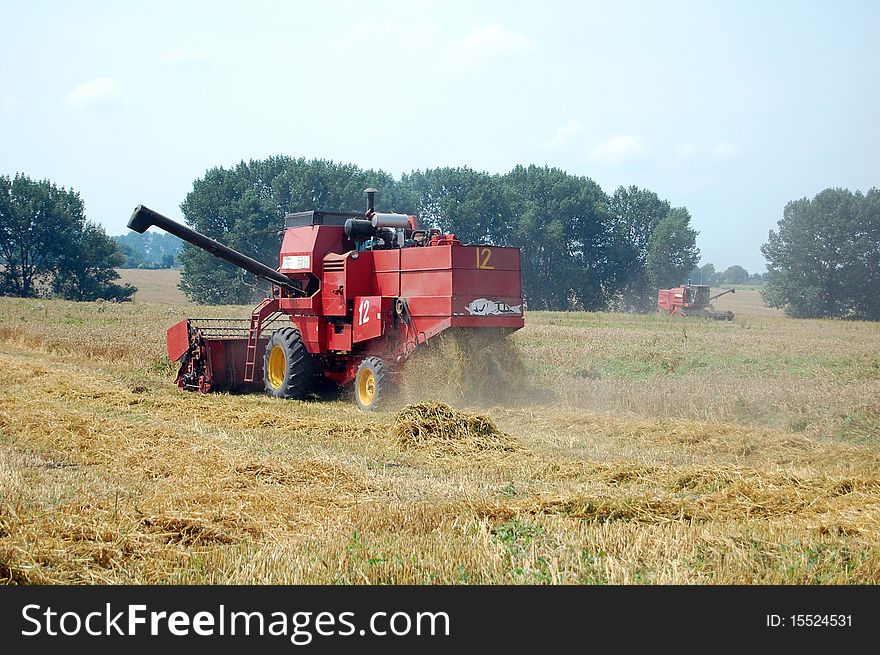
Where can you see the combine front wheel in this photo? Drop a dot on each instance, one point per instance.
(372, 385)
(287, 365)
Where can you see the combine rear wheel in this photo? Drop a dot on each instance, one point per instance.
(372, 385)
(287, 365)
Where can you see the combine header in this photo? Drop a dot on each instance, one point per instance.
(692, 300)
(354, 295)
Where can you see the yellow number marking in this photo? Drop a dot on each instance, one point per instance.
(483, 257)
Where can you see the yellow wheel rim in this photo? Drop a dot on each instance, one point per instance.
(366, 387)
(277, 367)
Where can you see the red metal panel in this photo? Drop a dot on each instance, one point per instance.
(333, 293)
(387, 283)
(338, 337)
(385, 260)
(429, 327)
(312, 240)
(671, 300)
(301, 305)
(360, 278)
(217, 364)
(512, 321)
(385, 280)
(310, 329)
(477, 283)
(177, 340)
(367, 317)
(425, 283)
(426, 258)
(226, 361)
(344, 278)
(430, 306)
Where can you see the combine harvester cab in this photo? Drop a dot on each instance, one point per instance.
(692, 300)
(355, 294)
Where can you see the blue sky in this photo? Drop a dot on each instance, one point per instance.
(728, 108)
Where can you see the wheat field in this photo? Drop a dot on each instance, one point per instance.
(633, 449)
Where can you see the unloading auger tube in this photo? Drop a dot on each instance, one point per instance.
(718, 295)
(144, 217)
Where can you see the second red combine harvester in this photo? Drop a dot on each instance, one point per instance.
(354, 296)
(692, 300)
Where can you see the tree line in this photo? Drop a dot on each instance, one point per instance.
(736, 274)
(582, 249)
(148, 250)
(47, 247)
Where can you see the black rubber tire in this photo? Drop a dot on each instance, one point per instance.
(383, 387)
(297, 380)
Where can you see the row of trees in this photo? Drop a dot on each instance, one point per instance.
(47, 247)
(581, 248)
(736, 274)
(148, 250)
(824, 260)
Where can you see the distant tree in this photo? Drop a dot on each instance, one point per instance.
(37, 222)
(148, 250)
(635, 214)
(562, 225)
(734, 275)
(705, 275)
(84, 271)
(697, 275)
(132, 246)
(475, 206)
(47, 245)
(167, 261)
(825, 259)
(133, 259)
(672, 250)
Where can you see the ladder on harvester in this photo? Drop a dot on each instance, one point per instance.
(266, 308)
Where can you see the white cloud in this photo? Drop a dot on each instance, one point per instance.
(491, 42)
(563, 136)
(724, 149)
(617, 148)
(97, 93)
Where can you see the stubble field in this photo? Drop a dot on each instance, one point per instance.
(647, 450)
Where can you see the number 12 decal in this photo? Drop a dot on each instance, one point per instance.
(364, 311)
(483, 257)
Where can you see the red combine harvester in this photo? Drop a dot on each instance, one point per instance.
(692, 300)
(355, 294)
